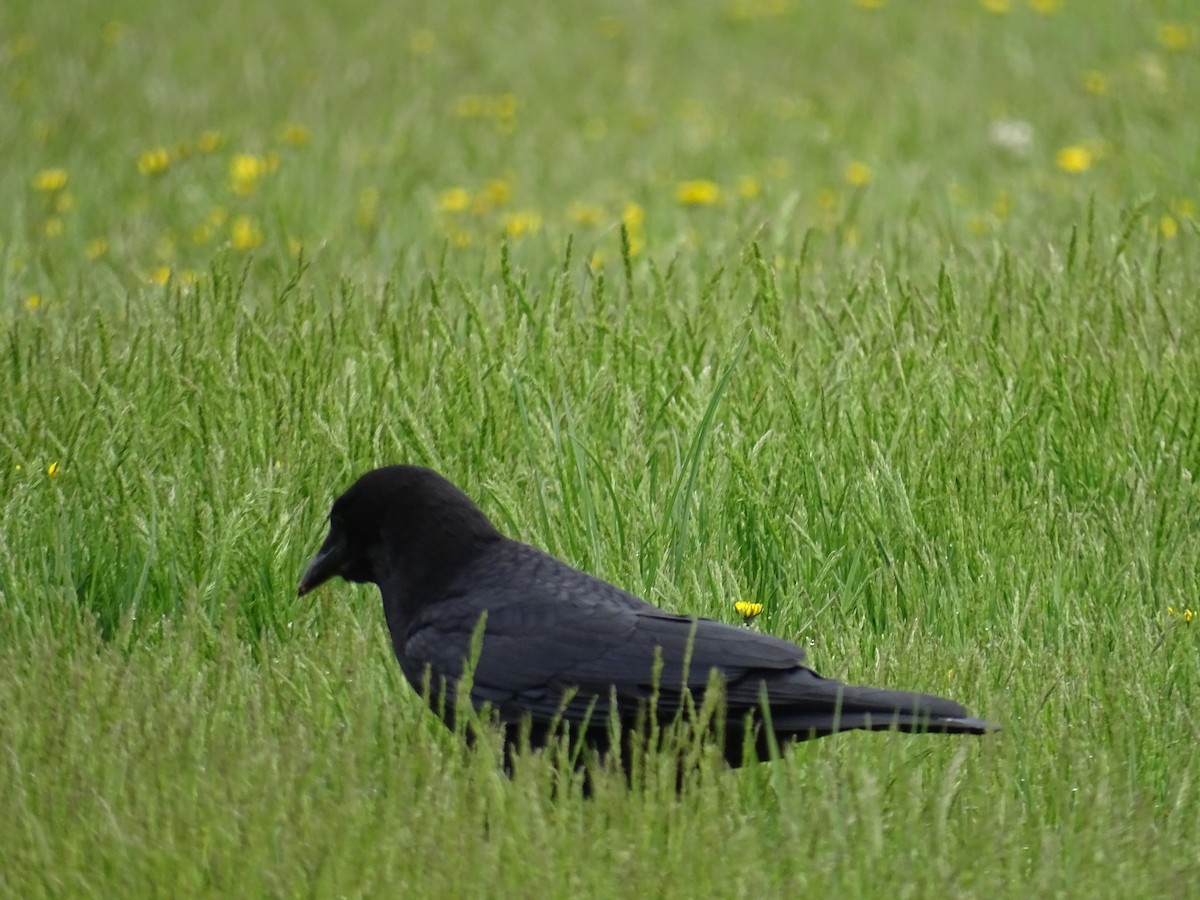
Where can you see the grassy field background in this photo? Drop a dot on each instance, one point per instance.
(883, 314)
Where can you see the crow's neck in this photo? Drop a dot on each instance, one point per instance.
(418, 571)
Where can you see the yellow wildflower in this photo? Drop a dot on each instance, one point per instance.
(996, 6)
(52, 470)
(245, 233)
(453, 200)
(523, 222)
(700, 192)
(588, 215)
(245, 169)
(1168, 227)
(748, 187)
(210, 141)
(159, 275)
(505, 106)
(1095, 83)
(95, 248)
(1184, 615)
(747, 610)
(496, 192)
(857, 173)
(1175, 36)
(1074, 159)
(633, 216)
(154, 162)
(1045, 7)
(293, 134)
(50, 180)
(869, 4)
(1183, 208)
(33, 301)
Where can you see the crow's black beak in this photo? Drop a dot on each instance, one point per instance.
(328, 562)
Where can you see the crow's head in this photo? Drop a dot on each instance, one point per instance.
(401, 524)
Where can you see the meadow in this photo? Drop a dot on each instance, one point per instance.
(881, 314)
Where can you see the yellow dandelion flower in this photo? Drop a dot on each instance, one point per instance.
(496, 192)
(1183, 208)
(52, 470)
(245, 170)
(1095, 83)
(33, 301)
(154, 161)
(293, 134)
(597, 261)
(857, 173)
(159, 275)
(587, 215)
(1045, 7)
(505, 106)
(53, 227)
(1168, 227)
(95, 248)
(700, 192)
(523, 222)
(210, 141)
(422, 43)
(1075, 159)
(996, 6)
(748, 187)
(454, 200)
(1184, 615)
(50, 180)
(633, 216)
(1175, 36)
(458, 237)
(245, 233)
(747, 610)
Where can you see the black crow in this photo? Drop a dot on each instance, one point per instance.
(560, 646)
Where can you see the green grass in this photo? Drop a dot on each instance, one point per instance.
(944, 424)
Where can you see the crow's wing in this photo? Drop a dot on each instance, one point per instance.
(552, 630)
